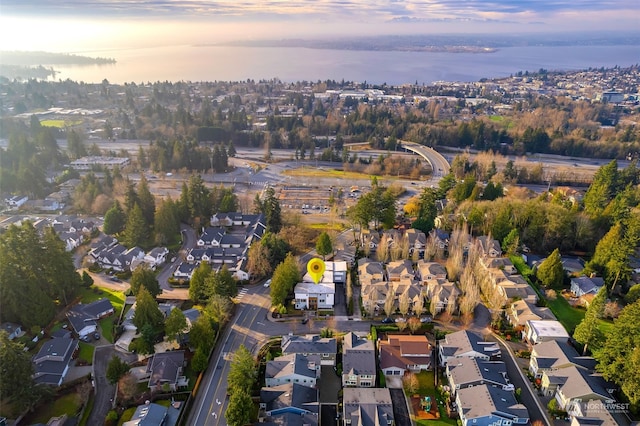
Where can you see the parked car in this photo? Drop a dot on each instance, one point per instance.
(115, 279)
(267, 283)
(305, 320)
(426, 319)
(400, 319)
(387, 320)
(96, 336)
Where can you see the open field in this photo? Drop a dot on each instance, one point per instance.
(60, 123)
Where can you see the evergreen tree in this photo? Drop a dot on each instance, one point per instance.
(258, 264)
(116, 369)
(222, 283)
(16, 374)
(285, 277)
(619, 357)
(167, 222)
(175, 324)
(136, 231)
(238, 411)
(588, 332)
(146, 201)
(114, 219)
(199, 289)
(602, 189)
(147, 311)
(511, 242)
(75, 145)
(271, 210)
(551, 272)
(144, 277)
(243, 372)
(64, 280)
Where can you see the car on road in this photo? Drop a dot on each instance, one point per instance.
(115, 279)
(305, 320)
(387, 320)
(401, 319)
(267, 283)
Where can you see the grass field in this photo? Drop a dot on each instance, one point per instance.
(325, 173)
(566, 314)
(60, 123)
(86, 352)
(67, 404)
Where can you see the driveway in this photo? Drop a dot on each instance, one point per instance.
(400, 409)
(104, 391)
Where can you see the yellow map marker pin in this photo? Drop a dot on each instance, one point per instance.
(315, 267)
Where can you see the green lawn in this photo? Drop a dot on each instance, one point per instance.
(87, 410)
(86, 352)
(106, 327)
(566, 314)
(117, 299)
(126, 415)
(67, 404)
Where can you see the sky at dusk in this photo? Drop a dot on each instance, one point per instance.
(81, 25)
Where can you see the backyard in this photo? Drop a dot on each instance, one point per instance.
(426, 387)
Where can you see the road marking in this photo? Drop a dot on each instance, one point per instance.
(241, 293)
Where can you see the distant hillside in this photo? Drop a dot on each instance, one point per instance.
(24, 58)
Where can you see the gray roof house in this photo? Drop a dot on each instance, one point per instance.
(13, 330)
(486, 405)
(581, 286)
(467, 344)
(51, 363)
(289, 404)
(468, 372)
(83, 318)
(311, 344)
(367, 407)
(358, 361)
(293, 368)
(151, 414)
(554, 355)
(591, 413)
(400, 353)
(572, 385)
(431, 271)
(165, 370)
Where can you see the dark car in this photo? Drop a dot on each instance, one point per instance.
(387, 320)
(115, 279)
(96, 336)
(305, 320)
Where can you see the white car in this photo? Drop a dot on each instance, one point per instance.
(267, 283)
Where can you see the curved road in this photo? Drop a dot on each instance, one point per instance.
(188, 242)
(438, 163)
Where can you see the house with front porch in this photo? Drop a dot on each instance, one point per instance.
(312, 296)
(311, 344)
(555, 355)
(358, 361)
(293, 368)
(401, 353)
(573, 385)
(466, 344)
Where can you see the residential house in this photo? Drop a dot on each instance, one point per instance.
(184, 271)
(582, 286)
(369, 238)
(51, 363)
(370, 271)
(522, 311)
(402, 353)
(312, 296)
(12, 329)
(467, 372)
(572, 265)
(374, 295)
(487, 405)
(293, 368)
(311, 344)
(16, 201)
(211, 237)
(151, 414)
(440, 238)
(165, 371)
(417, 241)
(289, 404)
(367, 407)
(544, 330)
(400, 269)
(156, 257)
(358, 361)
(431, 271)
(591, 413)
(555, 355)
(572, 385)
(488, 247)
(441, 292)
(84, 318)
(467, 344)
(501, 263)
(71, 240)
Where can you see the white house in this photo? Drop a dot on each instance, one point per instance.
(544, 330)
(293, 368)
(313, 296)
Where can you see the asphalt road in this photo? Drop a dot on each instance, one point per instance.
(251, 328)
(188, 242)
(104, 391)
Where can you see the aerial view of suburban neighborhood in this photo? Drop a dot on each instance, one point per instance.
(321, 253)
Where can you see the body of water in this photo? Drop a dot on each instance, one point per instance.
(227, 63)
